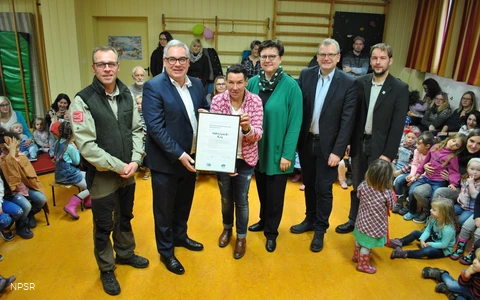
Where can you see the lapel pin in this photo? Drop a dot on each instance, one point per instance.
(383, 92)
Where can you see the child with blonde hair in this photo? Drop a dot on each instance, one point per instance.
(376, 199)
(41, 135)
(30, 151)
(438, 237)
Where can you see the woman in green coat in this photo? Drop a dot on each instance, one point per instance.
(282, 106)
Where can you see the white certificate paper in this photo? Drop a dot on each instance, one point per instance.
(217, 142)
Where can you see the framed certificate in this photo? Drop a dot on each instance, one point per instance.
(217, 142)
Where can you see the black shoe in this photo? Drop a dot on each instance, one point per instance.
(7, 235)
(345, 228)
(256, 227)
(271, 245)
(189, 244)
(22, 230)
(172, 264)
(110, 283)
(134, 261)
(302, 227)
(317, 242)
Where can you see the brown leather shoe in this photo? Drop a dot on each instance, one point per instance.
(240, 247)
(224, 238)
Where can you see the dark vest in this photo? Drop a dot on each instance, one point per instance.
(114, 136)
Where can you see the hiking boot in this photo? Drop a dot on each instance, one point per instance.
(441, 288)
(396, 243)
(421, 218)
(7, 235)
(134, 261)
(409, 216)
(432, 273)
(398, 253)
(22, 230)
(110, 283)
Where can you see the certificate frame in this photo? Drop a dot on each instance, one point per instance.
(217, 142)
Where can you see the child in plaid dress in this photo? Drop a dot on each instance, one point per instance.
(376, 199)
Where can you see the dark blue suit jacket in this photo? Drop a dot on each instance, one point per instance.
(169, 132)
(337, 115)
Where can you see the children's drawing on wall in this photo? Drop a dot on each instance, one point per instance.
(128, 47)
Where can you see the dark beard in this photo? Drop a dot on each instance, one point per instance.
(379, 74)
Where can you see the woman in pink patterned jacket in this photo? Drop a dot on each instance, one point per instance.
(234, 187)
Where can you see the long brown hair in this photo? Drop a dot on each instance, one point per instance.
(459, 136)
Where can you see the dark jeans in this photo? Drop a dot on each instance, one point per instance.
(235, 190)
(429, 252)
(172, 201)
(360, 163)
(271, 192)
(318, 178)
(423, 180)
(113, 213)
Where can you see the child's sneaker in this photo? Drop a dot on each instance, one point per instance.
(397, 207)
(420, 218)
(403, 211)
(7, 235)
(432, 273)
(441, 288)
(409, 216)
(396, 243)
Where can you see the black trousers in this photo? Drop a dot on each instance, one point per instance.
(271, 192)
(360, 164)
(318, 178)
(112, 214)
(172, 201)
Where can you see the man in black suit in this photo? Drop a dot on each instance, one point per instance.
(170, 104)
(328, 110)
(382, 106)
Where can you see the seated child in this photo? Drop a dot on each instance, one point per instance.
(467, 286)
(470, 186)
(40, 135)
(22, 180)
(30, 151)
(67, 158)
(404, 177)
(442, 156)
(9, 213)
(438, 237)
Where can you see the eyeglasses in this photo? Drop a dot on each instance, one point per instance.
(269, 57)
(220, 84)
(4, 105)
(436, 98)
(330, 55)
(102, 65)
(173, 60)
(162, 39)
(469, 99)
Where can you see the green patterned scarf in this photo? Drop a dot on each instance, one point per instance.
(269, 85)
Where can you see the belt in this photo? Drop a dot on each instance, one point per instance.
(313, 136)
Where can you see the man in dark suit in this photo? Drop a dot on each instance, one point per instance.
(382, 106)
(170, 104)
(328, 109)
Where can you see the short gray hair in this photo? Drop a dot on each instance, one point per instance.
(175, 43)
(104, 49)
(328, 42)
(135, 68)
